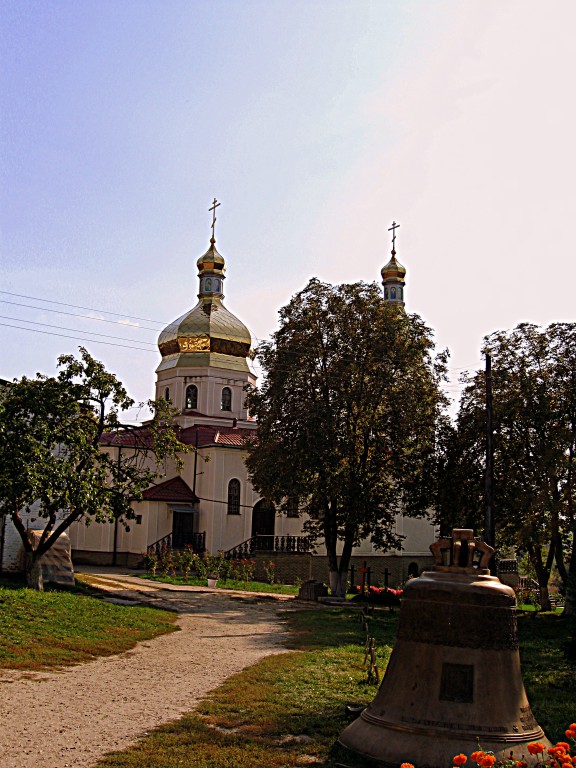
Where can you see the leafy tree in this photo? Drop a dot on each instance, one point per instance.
(347, 415)
(52, 464)
(534, 385)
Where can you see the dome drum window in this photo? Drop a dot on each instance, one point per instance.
(226, 400)
(191, 397)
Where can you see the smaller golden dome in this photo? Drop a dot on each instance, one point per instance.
(393, 270)
(212, 261)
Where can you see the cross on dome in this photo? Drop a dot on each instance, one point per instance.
(393, 229)
(212, 208)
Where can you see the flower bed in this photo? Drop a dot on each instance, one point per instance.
(385, 596)
(558, 756)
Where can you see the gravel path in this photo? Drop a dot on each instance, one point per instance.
(74, 717)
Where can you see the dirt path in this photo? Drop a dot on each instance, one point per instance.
(73, 717)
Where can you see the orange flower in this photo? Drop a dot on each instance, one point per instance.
(563, 745)
(536, 748)
(487, 761)
(477, 756)
(569, 734)
(459, 759)
(567, 765)
(406, 765)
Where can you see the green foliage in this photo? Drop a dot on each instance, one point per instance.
(39, 630)
(243, 569)
(347, 415)
(51, 454)
(534, 386)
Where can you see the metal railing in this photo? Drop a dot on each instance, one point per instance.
(172, 541)
(262, 543)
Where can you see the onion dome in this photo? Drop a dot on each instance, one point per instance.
(393, 270)
(393, 275)
(209, 334)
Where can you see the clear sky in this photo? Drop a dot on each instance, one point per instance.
(316, 123)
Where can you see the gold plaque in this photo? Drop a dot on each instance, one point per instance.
(194, 344)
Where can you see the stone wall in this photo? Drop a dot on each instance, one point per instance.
(123, 559)
(293, 567)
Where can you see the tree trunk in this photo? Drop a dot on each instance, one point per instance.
(34, 572)
(570, 604)
(338, 583)
(542, 575)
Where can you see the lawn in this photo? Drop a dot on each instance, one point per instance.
(58, 627)
(288, 709)
(235, 584)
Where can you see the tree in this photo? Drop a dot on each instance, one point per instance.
(52, 464)
(534, 386)
(347, 416)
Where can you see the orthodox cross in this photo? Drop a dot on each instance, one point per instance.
(393, 229)
(213, 209)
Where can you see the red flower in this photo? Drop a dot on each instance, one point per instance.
(459, 759)
(536, 748)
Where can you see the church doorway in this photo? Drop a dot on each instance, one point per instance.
(263, 521)
(183, 529)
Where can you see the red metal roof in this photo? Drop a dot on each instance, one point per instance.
(212, 435)
(233, 437)
(174, 489)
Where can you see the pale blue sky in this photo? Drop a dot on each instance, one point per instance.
(316, 124)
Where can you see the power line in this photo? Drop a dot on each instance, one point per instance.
(73, 314)
(76, 338)
(76, 306)
(62, 328)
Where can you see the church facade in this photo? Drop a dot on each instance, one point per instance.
(210, 503)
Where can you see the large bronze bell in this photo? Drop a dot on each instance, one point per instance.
(453, 680)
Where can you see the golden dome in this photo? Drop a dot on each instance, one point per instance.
(209, 334)
(393, 270)
(211, 261)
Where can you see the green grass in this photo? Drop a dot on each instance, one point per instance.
(242, 586)
(289, 709)
(58, 627)
(548, 655)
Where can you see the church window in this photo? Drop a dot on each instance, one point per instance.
(385, 292)
(292, 507)
(167, 393)
(226, 402)
(392, 293)
(234, 497)
(208, 284)
(191, 397)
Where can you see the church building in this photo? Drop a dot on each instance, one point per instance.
(210, 504)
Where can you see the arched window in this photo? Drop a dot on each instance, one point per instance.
(234, 497)
(226, 404)
(413, 570)
(292, 507)
(191, 397)
(392, 293)
(167, 393)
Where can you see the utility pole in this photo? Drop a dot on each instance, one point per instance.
(115, 545)
(489, 531)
